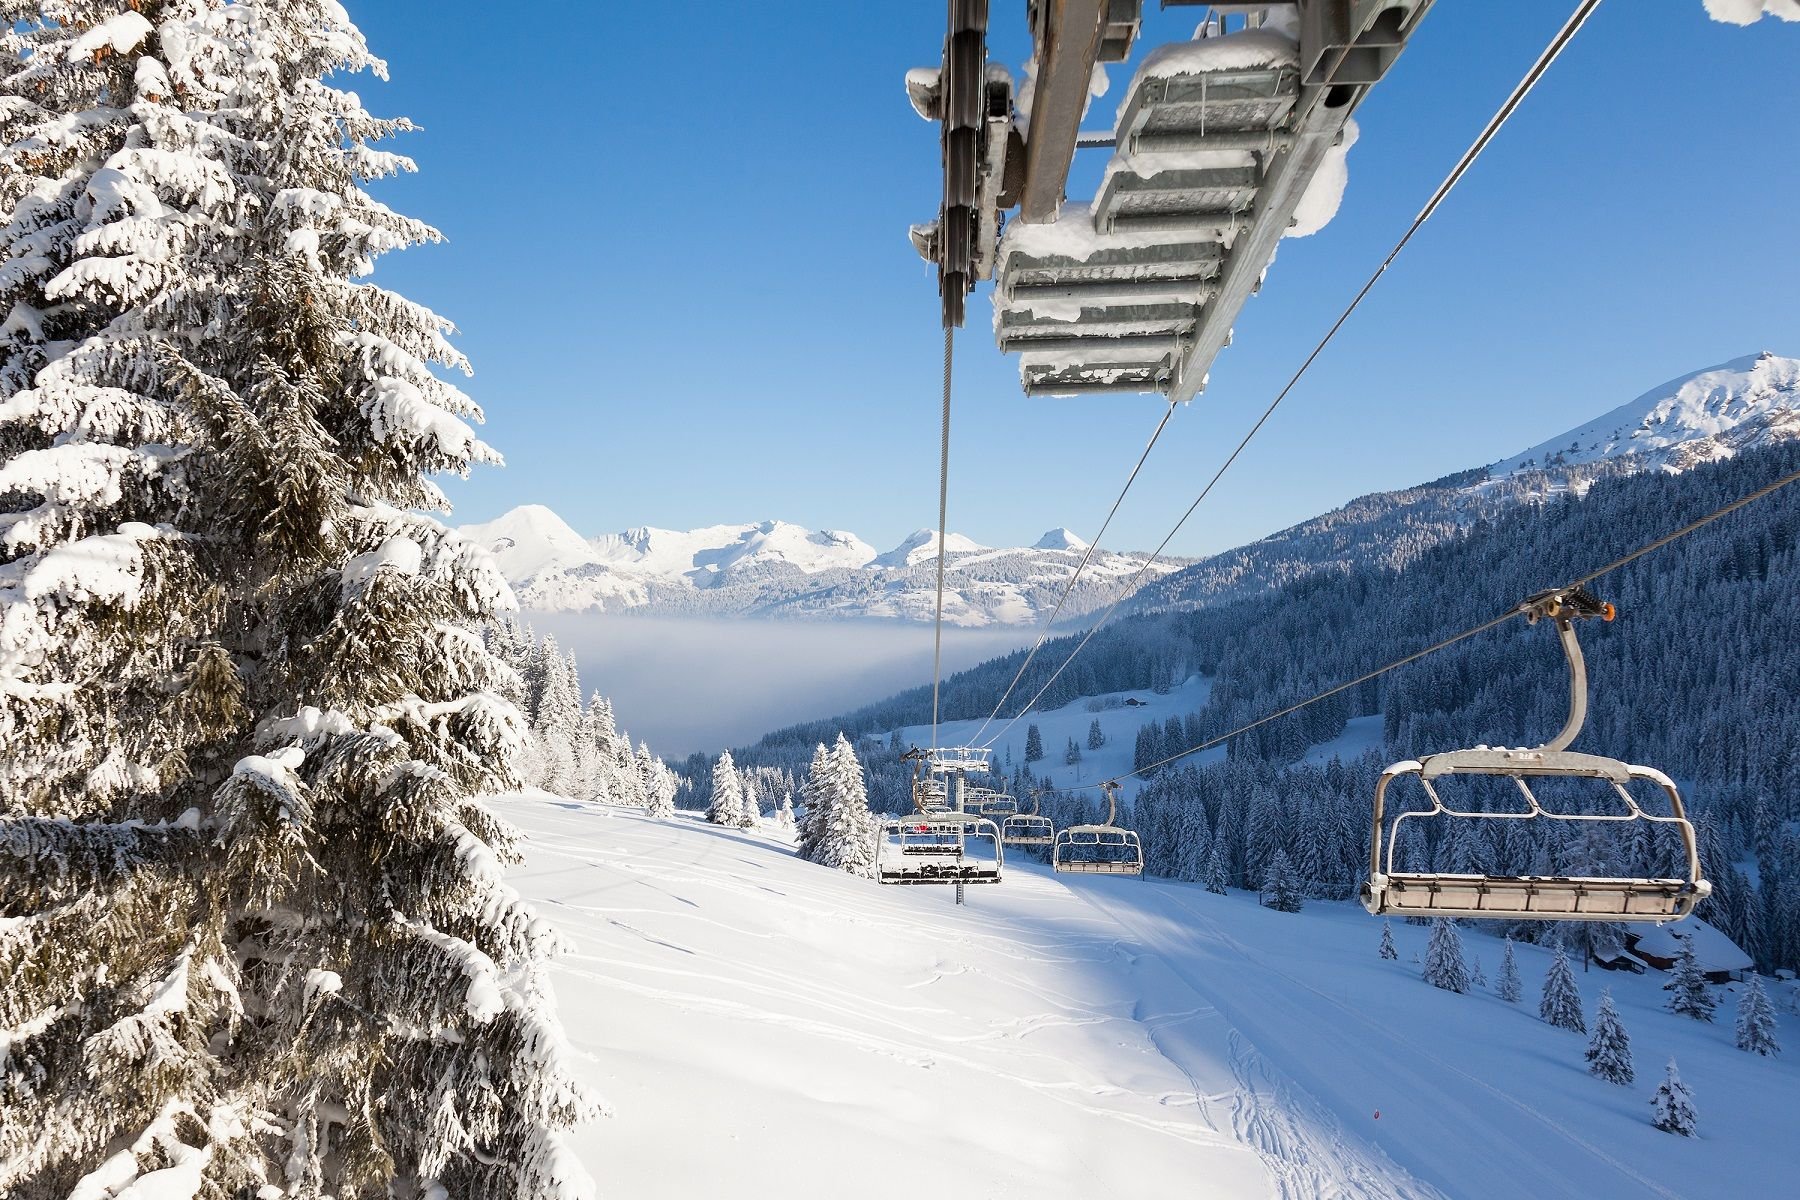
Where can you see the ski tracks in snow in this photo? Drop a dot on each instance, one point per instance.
(1305, 1148)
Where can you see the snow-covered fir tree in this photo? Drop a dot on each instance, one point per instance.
(1096, 737)
(1477, 977)
(256, 938)
(557, 727)
(1688, 993)
(1281, 886)
(657, 783)
(1756, 1020)
(750, 810)
(1561, 1003)
(1609, 1049)
(840, 831)
(1444, 966)
(1508, 986)
(1387, 942)
(727, 807)
(1218, 874)
(1034, 744)
(816, 774)
(784, 815)
(1672, 1107)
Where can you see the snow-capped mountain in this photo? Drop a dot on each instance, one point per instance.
(1712, 414)
(779, 569)
(1698, 418)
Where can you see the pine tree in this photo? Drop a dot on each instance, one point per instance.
(784, 816)
(1034, 744)
(727, 807)
(658, 784)
(749, 814)
(1756, 1021)
(1444, 965)
(1508, 987)
(1387, 942)
(259, 938)
(1072, 755)
(1561, 1004)
(1096, 736)
(839, 829)
(1218, 877)
(1689, 995)
(1672, 1107)
(811, 798)
(1281, 887)
(1477, 977)
(1609, 1049)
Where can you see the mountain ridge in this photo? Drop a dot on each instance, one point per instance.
(776, 568)
(1704, 416)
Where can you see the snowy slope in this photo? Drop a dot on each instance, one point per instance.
(763, 1026)
(779, 569)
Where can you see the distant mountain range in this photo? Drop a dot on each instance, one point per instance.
(776, 569)
(1713, 414)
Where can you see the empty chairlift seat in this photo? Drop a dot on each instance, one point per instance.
(1028, 829)
(1104, 849)
(1574, 898)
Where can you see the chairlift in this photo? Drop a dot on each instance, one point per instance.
(990, 803)
(1028, 829)
(1102, 849)
(1549, 898)
(943, 847)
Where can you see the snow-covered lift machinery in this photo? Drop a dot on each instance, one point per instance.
(957, 760)
(1552, 898)
(1222, 145)
(1028, 829)
(1102, 849)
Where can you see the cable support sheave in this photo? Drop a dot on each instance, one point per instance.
(937, 633)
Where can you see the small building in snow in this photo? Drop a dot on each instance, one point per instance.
(1719, 957)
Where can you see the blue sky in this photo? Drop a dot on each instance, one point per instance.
(677, 256)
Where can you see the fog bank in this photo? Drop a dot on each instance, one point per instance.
(696, 683)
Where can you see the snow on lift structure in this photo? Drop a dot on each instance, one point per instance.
(957, 760)
(1550, 898)
(1028, 829)
(1099, 849)
(1217, 144)
(938, 845)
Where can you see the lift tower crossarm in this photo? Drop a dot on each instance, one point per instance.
(1067, 47)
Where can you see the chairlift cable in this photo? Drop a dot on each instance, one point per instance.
(1484, 627)
(1548, 56)
(1093, 546)
(937, 633)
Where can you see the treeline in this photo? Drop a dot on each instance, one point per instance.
(576, 750)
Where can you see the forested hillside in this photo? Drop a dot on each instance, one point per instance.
(1698, 676)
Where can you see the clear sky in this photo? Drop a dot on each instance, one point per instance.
(677, 254)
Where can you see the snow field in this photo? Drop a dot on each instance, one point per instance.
(764, 1025)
